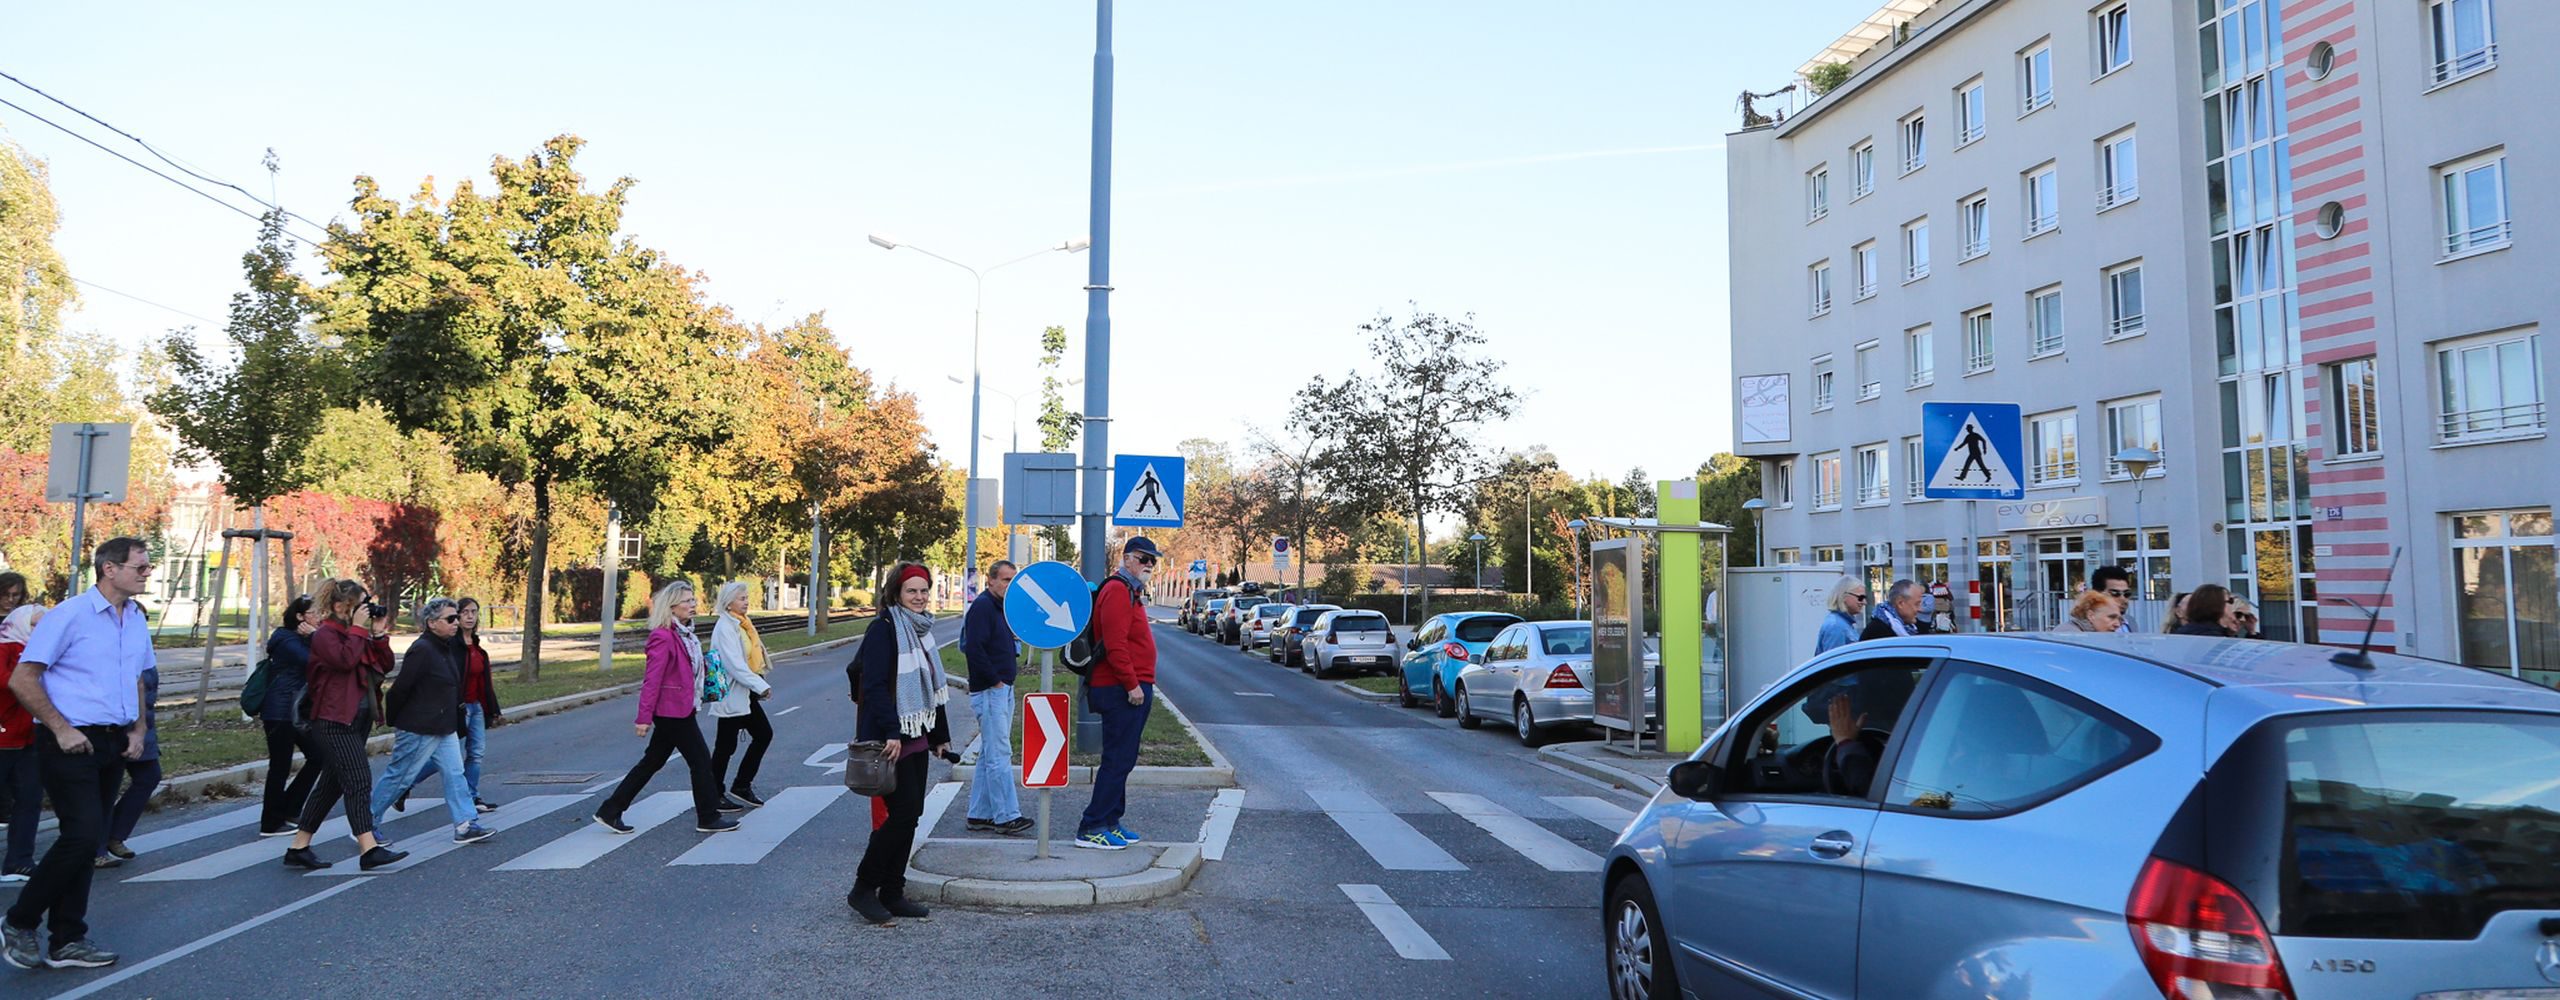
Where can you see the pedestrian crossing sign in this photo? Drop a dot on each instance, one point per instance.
(1972, 451)
(1146, 491)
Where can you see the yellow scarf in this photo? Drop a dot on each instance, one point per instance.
(755, 646)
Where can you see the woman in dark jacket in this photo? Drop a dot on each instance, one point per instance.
(2208, 612)
(425, 707)
(288, 657)
(349, 654)
(899, 694)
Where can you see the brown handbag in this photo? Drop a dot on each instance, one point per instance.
(869, 770)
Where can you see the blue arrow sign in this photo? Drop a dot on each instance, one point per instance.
(1146, 491)
(1971, 451)
(1047, 605)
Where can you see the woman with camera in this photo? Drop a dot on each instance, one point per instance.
(899, 693)
(670, 684)
(350, 652)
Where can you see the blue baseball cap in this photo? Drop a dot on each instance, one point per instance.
(1140, 544)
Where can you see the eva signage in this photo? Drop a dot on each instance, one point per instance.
(1044, 740)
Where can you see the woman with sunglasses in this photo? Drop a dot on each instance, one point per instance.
(426, 717)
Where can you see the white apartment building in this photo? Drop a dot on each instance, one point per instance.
(2171, 225)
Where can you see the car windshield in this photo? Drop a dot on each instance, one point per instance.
(1360, 623)
(1565, 640)
(1483, 629)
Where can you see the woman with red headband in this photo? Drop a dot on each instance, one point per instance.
(899, 692)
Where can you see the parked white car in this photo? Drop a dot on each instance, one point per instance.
(1350, 639)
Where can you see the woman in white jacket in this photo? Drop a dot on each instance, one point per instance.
(740, 652)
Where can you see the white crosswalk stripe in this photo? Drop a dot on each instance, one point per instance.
(1534, 842)
(439, 839)
(764, 829)
(591, 841)
(1601, 811)
(1390, 841)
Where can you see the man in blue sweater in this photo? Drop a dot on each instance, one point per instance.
(988, 642)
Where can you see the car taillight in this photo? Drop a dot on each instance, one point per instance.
(1455, 651)
(1562, 677)
(2201, 938)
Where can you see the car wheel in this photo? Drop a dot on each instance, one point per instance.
(1440, 703)
(1639, 952)
(1404, 692)
(1466, 713)
(1526, 722)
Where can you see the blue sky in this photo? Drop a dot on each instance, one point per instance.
(1284, 172)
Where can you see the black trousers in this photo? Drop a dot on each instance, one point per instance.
(758, 728)
(884, 860)
(672, 734)
(287, 790)
(344, 775)
(77, 783)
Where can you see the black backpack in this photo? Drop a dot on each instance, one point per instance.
(1085, 649)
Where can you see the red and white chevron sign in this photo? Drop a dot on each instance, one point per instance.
(1044, 741)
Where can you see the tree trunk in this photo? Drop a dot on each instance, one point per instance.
(530, 662)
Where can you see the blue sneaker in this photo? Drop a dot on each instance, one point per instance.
(1128, 836)
(1107, 840)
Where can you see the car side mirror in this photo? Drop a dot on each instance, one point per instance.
(1698, 780)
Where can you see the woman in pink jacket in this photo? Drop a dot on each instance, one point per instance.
(669, 686)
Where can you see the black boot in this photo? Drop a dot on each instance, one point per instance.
(866, 901)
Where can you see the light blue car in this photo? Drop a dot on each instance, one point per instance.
(2066, 817)
(1444, 645)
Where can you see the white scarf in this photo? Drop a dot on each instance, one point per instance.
(920, 687)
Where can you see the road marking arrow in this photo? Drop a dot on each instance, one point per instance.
(1059, 617)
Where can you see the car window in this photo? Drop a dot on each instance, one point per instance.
(1483, 627)
(1792, 754)
(1990, 743)
(1566, 640)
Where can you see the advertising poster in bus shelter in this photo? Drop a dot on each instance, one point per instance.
(1617, 644)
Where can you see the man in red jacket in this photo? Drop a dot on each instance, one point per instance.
(1121, 689)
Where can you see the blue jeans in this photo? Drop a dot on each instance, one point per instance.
(410, 755)
(992, 796)
(475, 745)
(1121, 724)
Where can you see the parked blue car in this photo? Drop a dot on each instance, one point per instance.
(2069, 817)
(1444, 645)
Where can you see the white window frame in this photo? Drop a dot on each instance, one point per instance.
(1862, 363)
(2064, 467)
(2354, 415)
(1826, 385)
(1973, 220)
(2043, 201)
(2124, 312)
(1817, 193)
(1915, 249)
(1979, 349)
(2119, 170)
(1915, 486)
(1913, 131)
(2115, 38)
(1784, 482)
(1862, 169)
(1875, 475)
(1870, 270)
(2462, 415)
(1971, 112)
(1818, 287)
(1920, 356)
(2045, 334)
(2446, 67)
(1826, 481)
(2035, 60)
(2143, 413)
(2466, 232)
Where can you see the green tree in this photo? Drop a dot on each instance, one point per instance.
(551, 350)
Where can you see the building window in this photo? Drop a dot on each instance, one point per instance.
(2044, 322)
(1915, 142)
(1817, 194)
(2043, 201)
(1869, 269)
(2504, 608)
(1862, 170)
(1915, 250)
(1786, 557)
(2151, 582)
(2463, 36)
(1828, 555)
(1864, 358)
(1969, 108)
(2115, 38)
(2491, 386)
(2118, 180)
(2124, 301)
(1820, 286)
(2355, 418)
(1975, 214)
(2056, 460)
(1822, 384)
(2134, 423)
(2475, 205)
(1826, 482)
(1977, 341)
(1920, 355)
(1875, 478)
(1782, 483)
(1915, 475)
(2035, 78)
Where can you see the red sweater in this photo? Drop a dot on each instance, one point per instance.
(1128, 641)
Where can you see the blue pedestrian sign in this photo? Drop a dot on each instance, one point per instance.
(1146, 491)
(1047, 605)
(1971, 451)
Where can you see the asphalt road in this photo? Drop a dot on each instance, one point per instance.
(1371, 842)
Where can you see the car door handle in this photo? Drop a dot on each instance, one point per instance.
(1835, 844)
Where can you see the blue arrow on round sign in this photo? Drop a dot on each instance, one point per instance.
(1047, 604)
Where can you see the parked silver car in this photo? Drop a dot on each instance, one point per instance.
(1538, 675)
(1350, 640)
(1257, 629)
(2052, 816)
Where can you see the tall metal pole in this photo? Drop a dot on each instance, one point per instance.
(1097, 315)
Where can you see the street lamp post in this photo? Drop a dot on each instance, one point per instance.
(1478, 538)
(2139, 461)
(1759, 509)
(977, 311)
